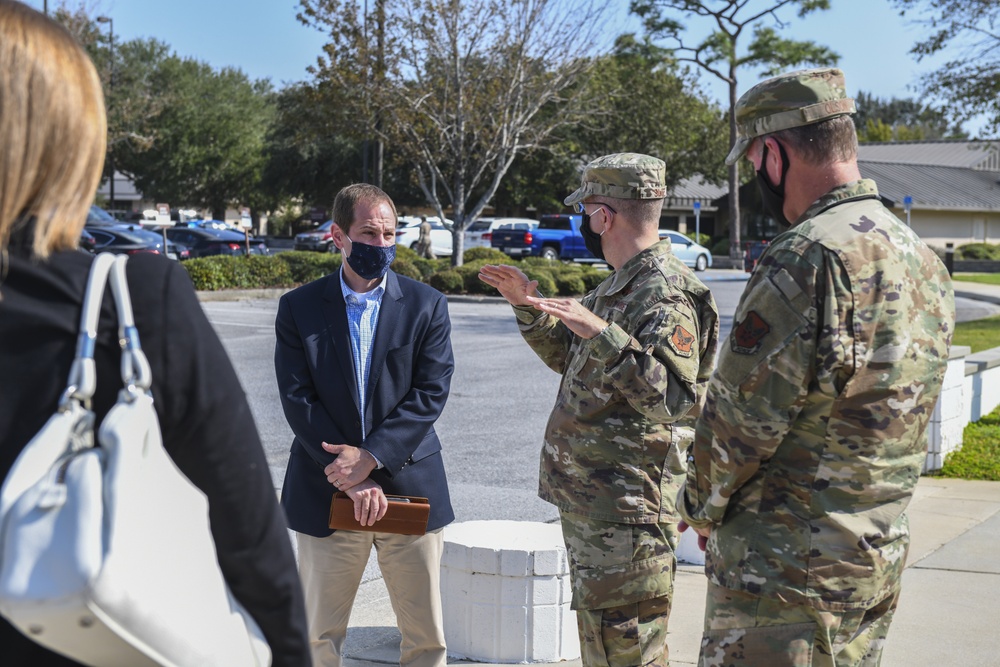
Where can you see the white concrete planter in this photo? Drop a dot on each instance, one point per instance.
(506, 593)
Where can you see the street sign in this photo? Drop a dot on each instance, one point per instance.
(245, 221)
(697, 205)
(907, 205)
(163, 215)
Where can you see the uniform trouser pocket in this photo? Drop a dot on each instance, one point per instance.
(614, 564)
(774, 646)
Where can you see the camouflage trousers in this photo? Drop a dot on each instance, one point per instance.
(750, 631)
(623, 579)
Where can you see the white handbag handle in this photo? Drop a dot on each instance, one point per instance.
(136, 373)
(135, 370)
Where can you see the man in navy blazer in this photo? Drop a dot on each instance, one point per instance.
(363, 361)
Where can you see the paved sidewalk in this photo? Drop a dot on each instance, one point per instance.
(977, 291)
(951, 590)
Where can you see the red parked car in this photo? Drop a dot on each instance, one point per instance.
(753, 254)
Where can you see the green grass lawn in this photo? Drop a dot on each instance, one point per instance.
(979, 457)
(985, 278)
(979, 334)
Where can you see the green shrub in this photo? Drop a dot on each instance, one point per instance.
(473, 285)
(570, 284)
(979, 457)
(535, 261)
(592, 278)
(546, 283)
(449, 282)
(267, 271)
(228, 272)
(721, 247)
(206, 273)
(979, 251)
(490, 255)
(405, 268)
(705, 240)
(470, 277)
(308, 266)
(429, 267)
(404, 253)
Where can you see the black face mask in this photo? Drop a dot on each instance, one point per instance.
(773, 197)
(591, 239)
(369, 261)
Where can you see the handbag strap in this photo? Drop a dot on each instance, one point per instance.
(135, 370)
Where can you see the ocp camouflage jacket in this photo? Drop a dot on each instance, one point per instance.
(813, 433)
(624, 414)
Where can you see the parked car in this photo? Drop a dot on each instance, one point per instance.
(204, 242)
(524, 226)
(752, 255)
(174, 250)
(98, 217)
(408, 231)
(87, 241)
(217, 224)
(555, 237)
(480, 233)
(692, 254)
(122, 240)
(320, 239)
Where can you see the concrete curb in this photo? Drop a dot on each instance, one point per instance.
(978, 296)
(277, 292)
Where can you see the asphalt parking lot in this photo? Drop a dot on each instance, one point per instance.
(500, 399)
(492, 426)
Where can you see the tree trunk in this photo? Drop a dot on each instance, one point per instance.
(457, 244)
(735, 252)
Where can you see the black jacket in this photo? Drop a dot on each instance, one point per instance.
(206, 422)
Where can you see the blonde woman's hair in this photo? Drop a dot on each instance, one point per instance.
(53, 130)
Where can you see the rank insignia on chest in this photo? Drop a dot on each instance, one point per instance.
(681, 341)
(748, 334)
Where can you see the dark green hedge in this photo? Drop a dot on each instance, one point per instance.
(287, 269)
(224, 272)
(979, 251)
(308, 266)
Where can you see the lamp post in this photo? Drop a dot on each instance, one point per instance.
(697, 221)
(111, 87)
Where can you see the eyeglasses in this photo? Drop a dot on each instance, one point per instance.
(578, 207)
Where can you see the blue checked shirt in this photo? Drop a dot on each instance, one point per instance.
(362, 319)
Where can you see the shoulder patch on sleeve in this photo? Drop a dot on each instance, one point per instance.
(748, 334)
(681, 341)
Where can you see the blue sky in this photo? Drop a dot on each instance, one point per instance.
(265, 40)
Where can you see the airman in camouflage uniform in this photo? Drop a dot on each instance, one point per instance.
(812, 437)
(635, 356)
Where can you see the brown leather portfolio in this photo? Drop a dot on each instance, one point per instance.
(407, 515)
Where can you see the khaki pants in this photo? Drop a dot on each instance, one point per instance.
(745, 629)
(331, 569)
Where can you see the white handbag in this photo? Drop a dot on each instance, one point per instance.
(106, 555)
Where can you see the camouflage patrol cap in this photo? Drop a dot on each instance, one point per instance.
(790, 100)
(622, 176)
